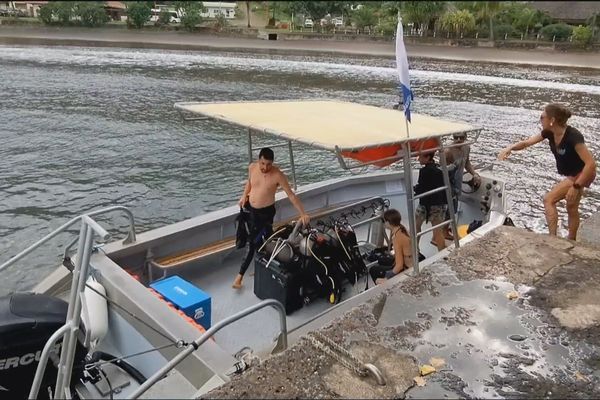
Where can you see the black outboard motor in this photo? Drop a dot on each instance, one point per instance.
(27, 321)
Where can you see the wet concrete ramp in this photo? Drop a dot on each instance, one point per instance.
(511, 315)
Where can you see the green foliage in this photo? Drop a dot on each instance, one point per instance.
(364, 17)
(421, 13)
(91, 13)
(45, 13)
(190, 13)
(459, 21)
(504, 30)
(318, 9)
(388, 25)
(559, 31)
(164, 18)
(220, 22)
(583, 35)
(138, 13)
(64, 11)
(86, 13)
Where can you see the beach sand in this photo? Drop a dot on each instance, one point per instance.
(120, 37)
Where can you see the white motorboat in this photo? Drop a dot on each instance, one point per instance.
(122, 337)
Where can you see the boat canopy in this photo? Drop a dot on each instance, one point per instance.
(329, 124)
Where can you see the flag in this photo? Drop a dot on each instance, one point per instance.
(402, 65)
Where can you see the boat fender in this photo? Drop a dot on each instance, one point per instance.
(94, 312)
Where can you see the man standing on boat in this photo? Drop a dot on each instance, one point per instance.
(458, 161)
(432, 208)
(259, 199)
(573, 160)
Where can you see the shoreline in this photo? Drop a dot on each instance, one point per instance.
(110, 37)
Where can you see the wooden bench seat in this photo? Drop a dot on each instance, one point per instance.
(229, 242)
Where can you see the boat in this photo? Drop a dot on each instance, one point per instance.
(108, 330)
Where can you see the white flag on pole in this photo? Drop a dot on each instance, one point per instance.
(402, 65)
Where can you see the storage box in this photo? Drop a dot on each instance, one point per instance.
(195, 303)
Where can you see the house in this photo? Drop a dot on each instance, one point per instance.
(116, 10)
(26, 8)
(214, 8)
(569, 12)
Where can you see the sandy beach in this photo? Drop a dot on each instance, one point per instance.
(116, 37)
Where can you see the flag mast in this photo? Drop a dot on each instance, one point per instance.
(407, 96)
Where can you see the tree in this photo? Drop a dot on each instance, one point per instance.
(45, 13)
(164, 17)
(317, 9)
(138, 13)
(248, 12)
(63, 10)
(422, 13)
(190, 13)
(488, 10)
(556, 31)
(364, 17)
(583, 35)
(91, 13)
(459, 21)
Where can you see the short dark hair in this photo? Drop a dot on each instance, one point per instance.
(267, 154)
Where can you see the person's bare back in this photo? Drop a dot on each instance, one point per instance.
(263, 185)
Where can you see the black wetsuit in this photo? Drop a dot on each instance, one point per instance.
(261, 227)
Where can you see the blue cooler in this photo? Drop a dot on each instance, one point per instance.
(186, 297)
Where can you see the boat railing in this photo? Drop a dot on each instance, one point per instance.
(130, 238)
(68, 332)
(281, 342)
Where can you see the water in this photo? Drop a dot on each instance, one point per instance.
(88, 128)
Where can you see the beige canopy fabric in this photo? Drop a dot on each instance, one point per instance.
(328, 124)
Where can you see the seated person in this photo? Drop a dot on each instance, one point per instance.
(400, 242)
(431, 208)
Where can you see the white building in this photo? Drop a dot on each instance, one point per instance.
(214, 8)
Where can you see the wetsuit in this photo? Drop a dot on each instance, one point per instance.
(261, 227)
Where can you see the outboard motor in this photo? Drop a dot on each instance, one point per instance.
(27, 321)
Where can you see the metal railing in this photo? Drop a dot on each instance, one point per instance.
(131, 236)
(68, 332)
(282, 341)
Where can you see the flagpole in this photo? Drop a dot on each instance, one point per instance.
(402, 65)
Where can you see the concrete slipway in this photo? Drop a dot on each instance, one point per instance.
(512, 314)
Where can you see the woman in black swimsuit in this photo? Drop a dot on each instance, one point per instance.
(573, 160)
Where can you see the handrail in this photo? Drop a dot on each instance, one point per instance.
(131, 237)
(207, 335)
(41, 369)
(103, 234)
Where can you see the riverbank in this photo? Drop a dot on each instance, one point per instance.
(111, 37)
(512, 314)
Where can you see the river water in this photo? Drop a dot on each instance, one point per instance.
(86, 128)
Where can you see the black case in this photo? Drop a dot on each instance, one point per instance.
(279, 282)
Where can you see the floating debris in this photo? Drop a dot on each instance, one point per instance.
(426, 369)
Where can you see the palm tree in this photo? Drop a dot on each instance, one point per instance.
(488, 10)
(248, 12)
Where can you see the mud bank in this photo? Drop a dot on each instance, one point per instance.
(513, 314)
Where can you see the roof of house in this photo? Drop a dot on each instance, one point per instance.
(115, 4)
(219, 4)
(568, 10)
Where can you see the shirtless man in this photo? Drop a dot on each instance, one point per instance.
(259, 199)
